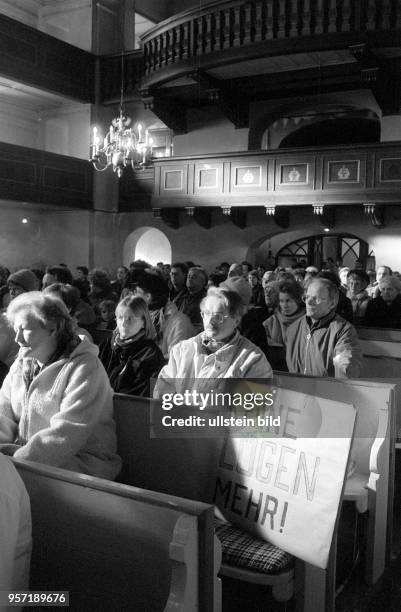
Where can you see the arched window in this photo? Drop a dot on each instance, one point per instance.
(314, 250)
(148, 244)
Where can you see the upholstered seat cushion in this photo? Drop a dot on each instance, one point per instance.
(241, 549)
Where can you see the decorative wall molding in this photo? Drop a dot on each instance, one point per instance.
(375, 214)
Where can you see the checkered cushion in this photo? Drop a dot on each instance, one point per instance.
(244, 550)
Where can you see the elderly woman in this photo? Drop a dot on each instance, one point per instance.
(218, 352)
(357, 282)
(56, 402)
(132, 357)
(385, 310)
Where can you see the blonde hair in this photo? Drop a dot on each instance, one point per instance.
(139, 308)
(46, 308)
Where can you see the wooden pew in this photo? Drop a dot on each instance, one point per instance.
(187, 467)
(382, 360)
(115, 547)
(381, 351)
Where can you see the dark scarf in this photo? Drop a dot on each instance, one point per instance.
(211, 346)
(124, 343)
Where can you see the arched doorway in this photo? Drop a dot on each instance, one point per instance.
(314, 250)
(149, 244)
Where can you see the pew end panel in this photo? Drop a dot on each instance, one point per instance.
(116, 547)
(371, 485)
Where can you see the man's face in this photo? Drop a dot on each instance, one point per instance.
(121, 274)
(267, 277)
(177, 278)
(195, 281)
(388, 291)
(271, 296)
(343, 274)
(355, 284)
(381, 273)
(217, 323)
(318, 302)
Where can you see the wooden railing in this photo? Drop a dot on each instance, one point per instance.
(227, 25)
(368, 174)
(42, 61)
(30, 175)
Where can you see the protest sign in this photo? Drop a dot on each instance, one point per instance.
(287, 490)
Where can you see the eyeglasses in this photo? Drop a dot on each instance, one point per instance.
(217, 316)
(312, 299)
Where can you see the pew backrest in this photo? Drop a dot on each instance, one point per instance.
(177, 466)
(374, 403)
(115, 547)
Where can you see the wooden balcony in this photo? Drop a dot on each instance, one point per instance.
(233, 52)
(236, 30)
(39, 60)
(366, 174)
(30, 175)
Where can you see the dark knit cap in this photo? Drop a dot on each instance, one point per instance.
(25, 279)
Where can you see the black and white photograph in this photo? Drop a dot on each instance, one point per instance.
(200, 305)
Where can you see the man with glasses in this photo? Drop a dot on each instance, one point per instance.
(218, 352)
(321, 343)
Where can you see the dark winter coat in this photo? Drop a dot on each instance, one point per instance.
(131, 363)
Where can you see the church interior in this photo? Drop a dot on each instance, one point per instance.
(275, 129)
(267, 131)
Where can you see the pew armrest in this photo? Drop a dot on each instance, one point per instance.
(184, 556)
(183, 552)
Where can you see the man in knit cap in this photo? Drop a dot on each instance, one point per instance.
(19, 282)
(22, 281)
(250, 326)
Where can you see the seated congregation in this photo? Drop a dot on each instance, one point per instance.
(179, 329)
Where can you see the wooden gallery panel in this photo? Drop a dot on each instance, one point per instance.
(248, 175)
(295, 173)
(208, 179)
(173, 180)
(341, 172)
(388, 169)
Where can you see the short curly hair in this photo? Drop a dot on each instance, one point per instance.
(48, 310)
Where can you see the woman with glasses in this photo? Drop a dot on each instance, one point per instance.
(218, 352)
(132, 357)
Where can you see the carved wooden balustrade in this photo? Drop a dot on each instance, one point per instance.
(199, 35)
